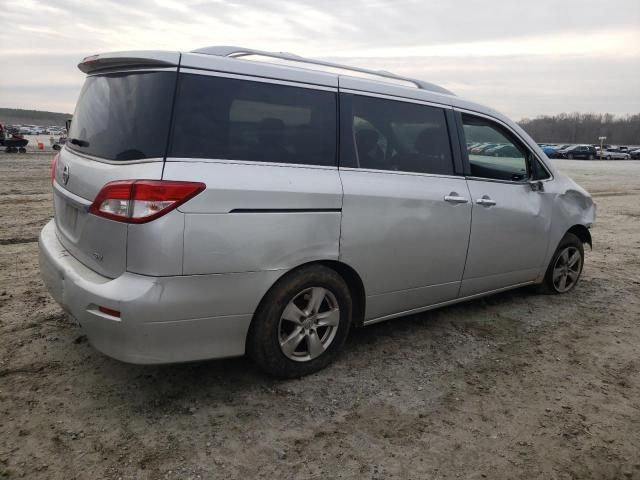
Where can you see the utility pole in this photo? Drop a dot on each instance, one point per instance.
(602, 139)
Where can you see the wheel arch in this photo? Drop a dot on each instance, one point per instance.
(356, 287)
(582, 233)
(348, 274)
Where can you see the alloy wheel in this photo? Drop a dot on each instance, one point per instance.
(309, 324)
(566, 270)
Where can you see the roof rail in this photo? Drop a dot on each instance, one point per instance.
(235, 52)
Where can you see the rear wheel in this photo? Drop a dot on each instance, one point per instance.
(302, 323)
(591, 157)
(565, 267)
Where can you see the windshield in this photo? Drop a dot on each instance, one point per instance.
(123, 116)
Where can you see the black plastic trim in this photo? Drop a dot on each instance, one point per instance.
(462, 142)
(286, 210)
(454, 140)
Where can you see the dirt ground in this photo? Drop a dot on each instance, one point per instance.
(518, 385)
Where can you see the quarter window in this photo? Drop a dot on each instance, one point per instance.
(234, 119)
(394, 135)
(493, 152)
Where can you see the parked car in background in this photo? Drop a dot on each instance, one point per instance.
(503, 151)
(483, 147)
(615, 155)
(241, 230)
(579, 152)
(551, 152)
(635, 154)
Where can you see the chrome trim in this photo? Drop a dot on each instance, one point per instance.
(496, 180)
(400, 172)
(486, 202)
(397, 98)
(218, 73)
(444, 304)
(72, 197)
(250, 162)
(112, 162)
(455, 199)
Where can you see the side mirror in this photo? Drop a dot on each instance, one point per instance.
(67, 125)
(536, 185)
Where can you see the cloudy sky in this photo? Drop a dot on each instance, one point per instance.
(525, 58)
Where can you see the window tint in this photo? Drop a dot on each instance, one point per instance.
(394, 135)
(493, 152)
(245, 120)
(123, 116)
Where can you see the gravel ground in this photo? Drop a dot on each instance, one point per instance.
(517, 385)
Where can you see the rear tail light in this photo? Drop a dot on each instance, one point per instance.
(140, 201)
(54, 165)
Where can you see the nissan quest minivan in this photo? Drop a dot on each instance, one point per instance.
(209, 205)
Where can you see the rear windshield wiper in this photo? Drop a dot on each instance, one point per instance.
(78, 142)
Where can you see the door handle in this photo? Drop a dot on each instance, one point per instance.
(486, 201)
(453, 197)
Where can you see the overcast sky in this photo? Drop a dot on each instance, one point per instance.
(525, 58)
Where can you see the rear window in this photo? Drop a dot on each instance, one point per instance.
(224, 118)
(123, 116)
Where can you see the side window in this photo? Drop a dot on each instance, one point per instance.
(402, 136)
(496, 154)
(225, 118)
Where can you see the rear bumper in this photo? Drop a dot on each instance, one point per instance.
(163, 319)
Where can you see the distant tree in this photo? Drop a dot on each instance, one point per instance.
(12, 116)
(584, 128)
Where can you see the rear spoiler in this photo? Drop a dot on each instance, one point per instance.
(139, 59)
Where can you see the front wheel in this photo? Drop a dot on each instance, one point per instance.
(302, 323)
(565, 267)
(570, 156)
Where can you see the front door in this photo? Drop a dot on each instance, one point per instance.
(510, 219)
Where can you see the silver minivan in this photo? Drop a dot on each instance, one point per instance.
(210, 204)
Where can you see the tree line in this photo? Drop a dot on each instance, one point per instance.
(17, 116)
(584, 128)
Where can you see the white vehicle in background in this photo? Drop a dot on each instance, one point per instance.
(615, 155)
(26, 130)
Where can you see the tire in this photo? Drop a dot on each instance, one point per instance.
(22, 150)
(608, 157)
(570, 156)
(56, 147)
(591, 157)
(311, 346)
(552, 282)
